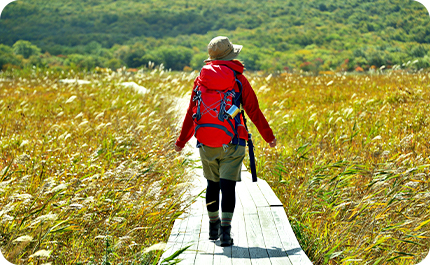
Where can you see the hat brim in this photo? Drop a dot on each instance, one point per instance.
(232, 55)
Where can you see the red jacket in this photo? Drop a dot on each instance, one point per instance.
(215, 77)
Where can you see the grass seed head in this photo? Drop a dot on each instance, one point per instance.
(43, 253)
(158, 246)
(25, 238)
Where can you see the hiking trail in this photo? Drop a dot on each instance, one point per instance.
(261, 231)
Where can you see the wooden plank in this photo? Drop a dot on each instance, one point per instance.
(222, 255)
(197, 208)
(238, 207)
(174, 242)
(171, 241)
(195, 217)
(272, 240)
(199, 179)
(268, 193)
(288, 238)
(255, 192)
(191, 237)
(197, 187)
(287, 232)
(206, 247)
(240, 251)
(250, 228)
(254, 235)
(242, 192)
(199, 171)
(196, 191)
(175, 229)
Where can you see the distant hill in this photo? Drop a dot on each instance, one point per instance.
(277, 34)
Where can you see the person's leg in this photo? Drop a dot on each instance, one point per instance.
(212, 205)
(209, 157)
(212, 200)
(230, 167)
(228, 201)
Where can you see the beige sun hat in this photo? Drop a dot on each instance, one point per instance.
(221, 48)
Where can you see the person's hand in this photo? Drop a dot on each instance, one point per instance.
(273, 143)
(178, 149)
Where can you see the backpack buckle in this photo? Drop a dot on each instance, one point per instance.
(225, 147)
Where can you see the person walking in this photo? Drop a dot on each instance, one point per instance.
(220, 131)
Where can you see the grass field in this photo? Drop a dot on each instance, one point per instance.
(352, 165)
(89, 175)
(87, 172)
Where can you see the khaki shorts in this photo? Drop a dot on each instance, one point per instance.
(218, 163)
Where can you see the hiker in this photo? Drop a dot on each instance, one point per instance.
(221, 139)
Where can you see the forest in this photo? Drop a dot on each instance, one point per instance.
(310, 36)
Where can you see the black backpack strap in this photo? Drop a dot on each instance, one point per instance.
(237, 102)
(237, 98)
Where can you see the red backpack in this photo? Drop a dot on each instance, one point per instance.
(216, 113)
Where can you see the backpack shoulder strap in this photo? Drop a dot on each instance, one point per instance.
(238, 97)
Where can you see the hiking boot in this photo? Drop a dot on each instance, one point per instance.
(225, 236)
(214, 230)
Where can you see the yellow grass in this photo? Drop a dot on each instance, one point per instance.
(88, 174)
(352, 164)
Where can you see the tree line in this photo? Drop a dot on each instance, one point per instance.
(277, 35)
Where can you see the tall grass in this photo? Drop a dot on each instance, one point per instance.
(87, 172)
(352, 163)
(88, 175)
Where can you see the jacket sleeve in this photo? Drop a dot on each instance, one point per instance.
(187, 130)
(252, 109)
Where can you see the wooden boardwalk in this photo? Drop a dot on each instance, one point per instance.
(260, 229)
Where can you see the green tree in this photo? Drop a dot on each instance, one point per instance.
(114, 63)
(173, 57)
(93, 48)
(7, 57)
(197, 61)
(26, 49)
(418, 51)
(375, 57)
(132, 57)
(83, 61)
(251, 58)
(420, 34)
(134, 32)
(423, 62)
